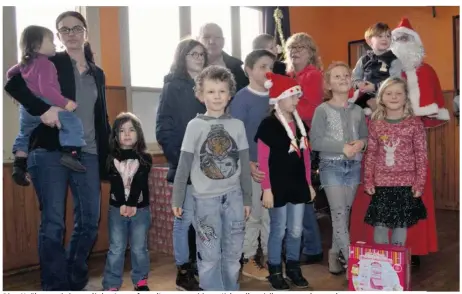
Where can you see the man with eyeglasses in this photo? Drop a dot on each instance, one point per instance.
(211, 35)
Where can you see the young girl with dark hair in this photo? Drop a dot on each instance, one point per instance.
(129, 216)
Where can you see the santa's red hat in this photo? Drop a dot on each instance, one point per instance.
(282, 87)
(405, 27)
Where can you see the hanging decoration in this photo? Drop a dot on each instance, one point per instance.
(278, 16)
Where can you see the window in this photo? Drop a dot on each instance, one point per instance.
(220, 15)
(41, 16)
(154, 34)
(356, 49)
(251, 27)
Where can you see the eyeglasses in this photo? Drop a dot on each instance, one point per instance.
(76, 30)
(196, 55)
(297, 48)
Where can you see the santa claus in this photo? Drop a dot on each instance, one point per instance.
(428, 102)
(423, 83)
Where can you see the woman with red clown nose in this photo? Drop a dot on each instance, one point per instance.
(427, 102)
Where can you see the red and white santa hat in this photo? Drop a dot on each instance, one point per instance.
(406, 28)
(281, 87)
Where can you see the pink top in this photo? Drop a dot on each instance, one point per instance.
(396, 154)
(42, 79)
(263, 156)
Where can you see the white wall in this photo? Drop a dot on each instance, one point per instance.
(144, 105)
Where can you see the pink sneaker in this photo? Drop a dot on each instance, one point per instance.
(142, 285)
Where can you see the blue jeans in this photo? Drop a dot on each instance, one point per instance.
(339, 172)
(312, 244)
(220, 229)
(340, 179)
(70, 134)
(288, 217)
(122, 228)
(181, 229)
(62, 269)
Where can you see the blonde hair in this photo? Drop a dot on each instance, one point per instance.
(327, 92)
(376, 30)
(303, 39)
(381, 112)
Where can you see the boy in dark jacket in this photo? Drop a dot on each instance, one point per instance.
(375, 67)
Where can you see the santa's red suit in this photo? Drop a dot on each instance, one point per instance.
(428, 102)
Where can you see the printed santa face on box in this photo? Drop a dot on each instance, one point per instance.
(423, 83)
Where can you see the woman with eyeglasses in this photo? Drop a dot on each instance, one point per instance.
(178, 105)
(83, 84)
(303, 64)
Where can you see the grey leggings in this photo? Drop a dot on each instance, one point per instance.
(398, 235)
(340, 199)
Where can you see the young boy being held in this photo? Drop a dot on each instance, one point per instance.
(375, 67)
(251, 106)
(215, 153)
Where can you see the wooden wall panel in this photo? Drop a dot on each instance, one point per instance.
(443, 145)
(21, 220)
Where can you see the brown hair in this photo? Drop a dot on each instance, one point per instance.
(31, 41)
(86, 47)
(215, 73)
(254, 56)
(327, 92)
(376, 30)
(381, 111)
(306, 40)
(178, 66)
(114, 146)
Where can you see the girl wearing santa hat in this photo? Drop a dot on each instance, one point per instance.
(284, 157)
(339, 133)
(304, 65)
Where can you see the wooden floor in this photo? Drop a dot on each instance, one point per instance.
(438, 272)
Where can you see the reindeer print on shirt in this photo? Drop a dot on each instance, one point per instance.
(390, 148)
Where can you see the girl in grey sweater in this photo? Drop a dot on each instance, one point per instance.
(339, 133)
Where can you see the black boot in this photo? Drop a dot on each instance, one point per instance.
(71, 158)
(277, 281)
(19, 171)
(294, 274)
(185, 280)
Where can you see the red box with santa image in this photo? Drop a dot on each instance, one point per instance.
(373, 267)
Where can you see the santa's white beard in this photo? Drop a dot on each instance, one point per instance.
(409, 53)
